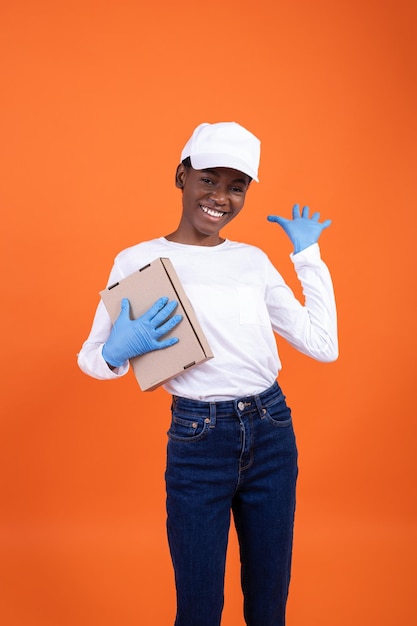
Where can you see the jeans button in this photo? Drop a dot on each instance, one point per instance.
(241, 406)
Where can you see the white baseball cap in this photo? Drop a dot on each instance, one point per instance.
(225, 144)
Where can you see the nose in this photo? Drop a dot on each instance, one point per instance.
(219, 194)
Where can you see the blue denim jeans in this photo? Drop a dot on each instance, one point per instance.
(235, 456)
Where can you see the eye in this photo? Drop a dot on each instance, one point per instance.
(207, 181)
(237, 190)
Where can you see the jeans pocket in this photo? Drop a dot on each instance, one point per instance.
(188, 428)
(278, 413)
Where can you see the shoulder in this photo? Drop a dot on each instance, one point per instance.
(248, 250)
(241, 246)
(134, 257)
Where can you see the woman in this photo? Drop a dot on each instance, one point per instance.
(231, 445)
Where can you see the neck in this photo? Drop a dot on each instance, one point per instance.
(196, 239)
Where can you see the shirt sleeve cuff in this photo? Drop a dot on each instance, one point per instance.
(308, 255)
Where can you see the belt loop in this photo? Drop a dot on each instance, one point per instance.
(212, 414)
(259, 406)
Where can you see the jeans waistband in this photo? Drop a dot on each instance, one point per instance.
(240, 406)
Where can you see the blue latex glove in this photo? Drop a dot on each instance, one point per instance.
(302, 230)
(131, 338)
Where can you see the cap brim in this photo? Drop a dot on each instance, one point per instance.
(204, 161)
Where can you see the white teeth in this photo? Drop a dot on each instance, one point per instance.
(212, 212)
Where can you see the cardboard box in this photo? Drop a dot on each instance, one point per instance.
(143, 288)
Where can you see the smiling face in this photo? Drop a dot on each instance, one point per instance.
(211, 199)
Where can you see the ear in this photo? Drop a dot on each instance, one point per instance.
(180, 176)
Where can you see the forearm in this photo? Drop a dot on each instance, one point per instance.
(90, 358)
(319, 306)
(91, 362)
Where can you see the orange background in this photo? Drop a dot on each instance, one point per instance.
(98, 98)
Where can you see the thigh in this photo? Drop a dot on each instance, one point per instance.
(200, 481)
(264, 510)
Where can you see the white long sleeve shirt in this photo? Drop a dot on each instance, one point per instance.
(240, 299)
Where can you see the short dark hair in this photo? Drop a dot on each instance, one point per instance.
(186, 162)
